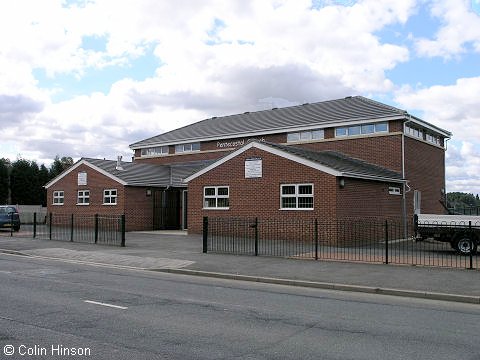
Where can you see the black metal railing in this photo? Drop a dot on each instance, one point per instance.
(464, 210)
(95, 229)
(359, 240)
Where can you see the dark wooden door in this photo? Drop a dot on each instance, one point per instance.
(166, 211)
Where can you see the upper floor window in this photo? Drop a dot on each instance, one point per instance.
(216, 197)
(363, 129)
(58, 197)
(433, 139)
(110, 197)
(155, 151)
(415, 132)
(306, 135)
(83, 197)
(181, 148)
(296, 196)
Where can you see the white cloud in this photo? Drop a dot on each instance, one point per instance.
(454, 108)
(460, 28)
(217, 58)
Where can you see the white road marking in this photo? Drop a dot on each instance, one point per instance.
(105, 304)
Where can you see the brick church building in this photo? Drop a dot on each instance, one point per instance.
(346, 158)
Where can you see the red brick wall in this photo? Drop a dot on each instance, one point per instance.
(195, 156)
(363, 199)
(96, 183)
(138, 209)
(425, 170)
(260, 197)
(130, 200)
(385, 151)
(209, 150)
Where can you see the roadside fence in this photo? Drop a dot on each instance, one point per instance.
(358, 240)
(464, 210)
(93, 229)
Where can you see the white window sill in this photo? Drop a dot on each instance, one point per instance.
(85, 204)
(216, 208)
(109, 204)
(296, 209)
(57, 204)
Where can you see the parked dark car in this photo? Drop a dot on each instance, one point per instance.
(9, 217)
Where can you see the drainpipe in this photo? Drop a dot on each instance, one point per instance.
(445, 141)
(404, 197)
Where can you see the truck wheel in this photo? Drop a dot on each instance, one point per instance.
(463, 243)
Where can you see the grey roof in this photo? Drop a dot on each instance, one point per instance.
(349, 166)
(144, 174)
(356, 108)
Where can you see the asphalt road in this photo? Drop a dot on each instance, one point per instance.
(52, 308)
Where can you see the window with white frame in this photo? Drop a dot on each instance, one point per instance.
(182, 148)
(155, 151)
(216, 197)
(394, 190)
(110, 197)
(413, 131)
(58, 197)
(296, 196)
(310, 135)
(363, 129)
(83, 197)
(433, 139)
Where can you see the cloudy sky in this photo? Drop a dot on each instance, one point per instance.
(89, 77)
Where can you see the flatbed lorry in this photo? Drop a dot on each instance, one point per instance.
(461, 231)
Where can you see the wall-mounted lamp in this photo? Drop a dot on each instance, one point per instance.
(341, 182)
(148, 192)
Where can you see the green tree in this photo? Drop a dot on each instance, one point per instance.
(60, 165)
(43, 178)
(460, 200)
(24, 182)
(27, 180)
(4, 182)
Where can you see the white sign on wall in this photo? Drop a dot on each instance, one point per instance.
(82, 178)
(253, 168)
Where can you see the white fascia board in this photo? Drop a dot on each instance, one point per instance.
(219, 162)
(375, 178)
(297, 159)
(84, 162)
(268, 149)
(66, 172)
(270, 132)
(428, 126)
(107, 174)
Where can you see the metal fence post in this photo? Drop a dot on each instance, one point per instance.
(470, 234)
(11, 224)
(256, 236)
(316, 239)
(123, 230)
(386, 242)
(96, 228)
(50, 226)
(34, 225)
(71, 227)
(205, 234)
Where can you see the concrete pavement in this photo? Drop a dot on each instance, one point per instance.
(180, 253)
